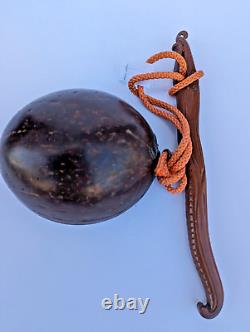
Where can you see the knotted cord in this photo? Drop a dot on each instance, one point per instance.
(171, 167)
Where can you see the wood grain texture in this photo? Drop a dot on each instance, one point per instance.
(188, 101)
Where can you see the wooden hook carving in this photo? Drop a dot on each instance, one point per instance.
(188, 100)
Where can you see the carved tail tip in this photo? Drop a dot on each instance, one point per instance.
(207, 312)
(182, 34)
(179, 45)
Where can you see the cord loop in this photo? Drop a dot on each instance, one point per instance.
(171, 167)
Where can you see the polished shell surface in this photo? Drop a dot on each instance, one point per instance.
(78, 156)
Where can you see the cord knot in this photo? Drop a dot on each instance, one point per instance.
(173, 179)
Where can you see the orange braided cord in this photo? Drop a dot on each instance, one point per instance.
(171, 168)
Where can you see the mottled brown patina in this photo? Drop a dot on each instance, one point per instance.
(78, 156)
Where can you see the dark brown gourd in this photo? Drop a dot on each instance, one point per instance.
(78, 156)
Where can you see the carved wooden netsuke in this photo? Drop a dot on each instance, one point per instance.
(188, 101)
(184, 167)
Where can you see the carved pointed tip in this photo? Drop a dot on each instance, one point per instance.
(207, 312)
(182, 34)
(181, 46)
